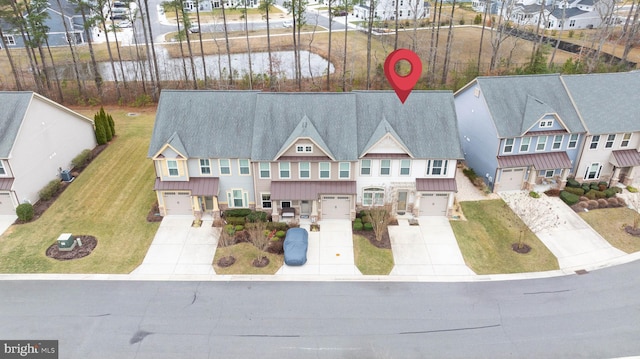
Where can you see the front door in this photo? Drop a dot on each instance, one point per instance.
(305, 207)
(402, 202)
(207, 203)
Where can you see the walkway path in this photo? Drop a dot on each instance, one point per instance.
(573, 241)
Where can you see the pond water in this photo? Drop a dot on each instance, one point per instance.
(171, 69)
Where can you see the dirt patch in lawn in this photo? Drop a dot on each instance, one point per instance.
(89, 243)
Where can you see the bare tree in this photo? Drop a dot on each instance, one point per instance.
(186, 21)
(499, 35)
(264, 7)
(329, 46)
(246, 32)
(258, 235)
(630, 30)
(633, 200)
(536, 214)
(487, 6)
(380, 219)
(370, 18)
(447, 55)
(226, 39)
(71, 40)
(14, 69)
(204, 65)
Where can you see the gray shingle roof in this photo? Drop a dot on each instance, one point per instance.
(426, 122)
(13, 108)
(241, 124)
(608, 102)
(507, 98)
(210, 124)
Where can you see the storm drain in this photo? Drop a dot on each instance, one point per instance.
(581, 272)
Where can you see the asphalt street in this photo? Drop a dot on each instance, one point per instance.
(594, 315)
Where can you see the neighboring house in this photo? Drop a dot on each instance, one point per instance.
(609, 106)
(317, 155)
(561, 14)
(210, 5)
(57, 35)
(385, 10)
(38, 139)
(518, 131)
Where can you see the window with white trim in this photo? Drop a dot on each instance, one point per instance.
(610, 140)
(548, 173)
(626, 138)
(2, 170)
(205, 166)
(405, 167)
(244, 167)
(304, 149)
(542, 143)
(344, 170)
(172, 167)
(573, 141)
(365, 167)
(593, 171)
(265, 170)
(9, 40)
(225, 167)
(266, 200)
(557, 142)
(437, 167)
(546, 123)
(594, 142)
(324, 169)
(237, 198)
(508, 145)
(524, 144)
(304, 170)
(373, 197)
(385, 167)
(285, 169)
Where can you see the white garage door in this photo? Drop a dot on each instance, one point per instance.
(511, 179)
(177, 203)
(6, 206)
(434, 204)
(336, 207)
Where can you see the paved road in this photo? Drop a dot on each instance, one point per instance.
(594, 315)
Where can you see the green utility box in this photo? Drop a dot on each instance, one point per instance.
(66, 242)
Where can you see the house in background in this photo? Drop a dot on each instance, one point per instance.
(38, 139)
(608, 105)
(385, 10)
(518, 131)
(314, 155)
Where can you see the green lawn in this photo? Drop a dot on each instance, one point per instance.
(244, 254)
(610, 223)
(370, 259)
(109, 200)
(485, 241)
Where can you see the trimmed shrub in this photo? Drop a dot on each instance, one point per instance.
(571, 182)
(281, 234)
(368, 226)
(358, 220)
(583, 204)
(24, 211)
(242, 236)
(278, 226)
(632, 189)
(257, 216)
(230, 229)
(239, 228)
(81, 159)
(241, 212)
(602, 203)
(357, 226)
(590, 195)
(112, 125)
(599, 194)
(366, 219)
(585, 187)
(613, 202)
(583, 198)
(554, 192)
(534, 194)
(610, 192)
(603, 183)
(470, 173)
(621, 201)
(235, 221)
(569, 198)
(593, 204)
(616, 189)
(574, 190)
(50, 190)
(594, 186)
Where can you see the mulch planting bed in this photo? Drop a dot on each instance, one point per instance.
(385, 243)
(89, 243)
(632, 231)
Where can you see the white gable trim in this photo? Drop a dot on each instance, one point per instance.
(387, 136)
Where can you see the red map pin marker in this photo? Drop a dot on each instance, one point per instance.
(403, 84)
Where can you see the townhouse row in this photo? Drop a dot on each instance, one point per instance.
(328, 155)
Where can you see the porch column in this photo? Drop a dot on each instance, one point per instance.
(416, 204)
(531, 181)
(314, 211)
(563, 177)
(629, 178)
(615, 177)
(275, 214)
(215, 212)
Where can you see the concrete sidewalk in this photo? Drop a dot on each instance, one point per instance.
(573, 241)
(6, 221)
(429, 249)
(179, 249)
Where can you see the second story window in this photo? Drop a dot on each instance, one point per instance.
(594, 142)
(557, 142)
(172, 166)
(345, 170)
(385, 167)
(2, 170)
(626, 138)
(365, 167)
(325, 169)
(573, 141)
(524, 144)
(304, 170)
(225, 167)
(610, 140)
(405, 167)
(284, 170)
(244, 167)
(437, 167)
(542, 143)
(205, 167)
(508, 145)
(265, 169)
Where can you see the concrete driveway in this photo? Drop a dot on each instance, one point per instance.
(330, 251)
(6, 221)
(573, 241)
(179, 249)
(429, 249)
